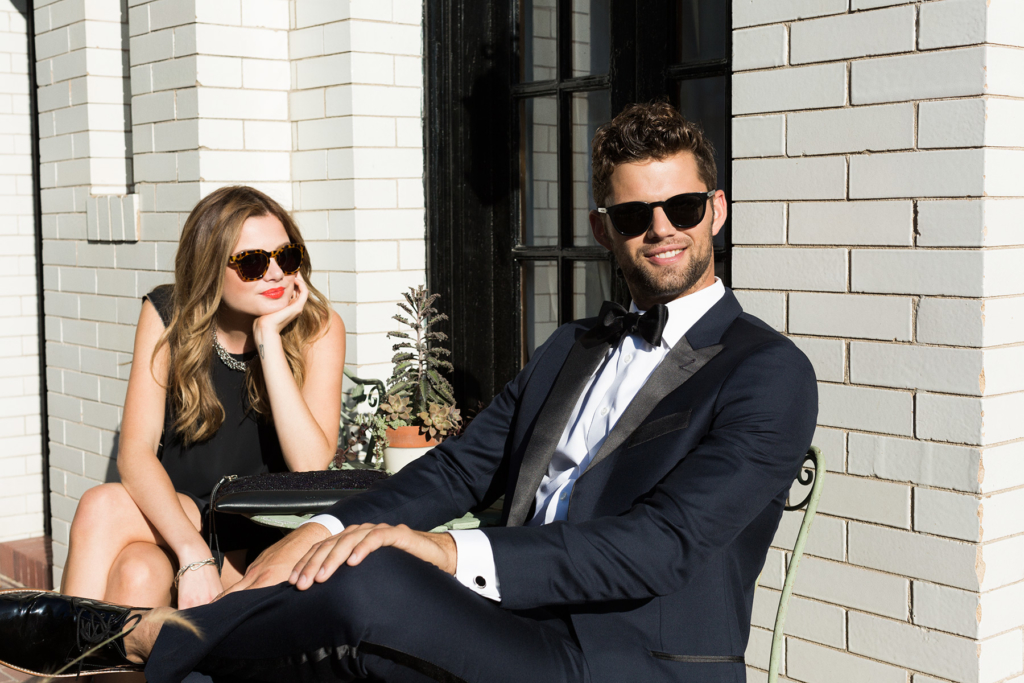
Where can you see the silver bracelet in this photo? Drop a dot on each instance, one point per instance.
(191, 567)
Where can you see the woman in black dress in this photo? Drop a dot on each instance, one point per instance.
(237, 370)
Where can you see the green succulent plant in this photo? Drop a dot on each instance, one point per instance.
(417, 392)
(398, 410)
(440, 419)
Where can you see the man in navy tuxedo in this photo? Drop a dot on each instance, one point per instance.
(644, 456)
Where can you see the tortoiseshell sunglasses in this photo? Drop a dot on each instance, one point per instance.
(253, 264)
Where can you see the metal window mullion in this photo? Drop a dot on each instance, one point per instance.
(528, 253)
(565, 198)
(563, 31)
(727, 174)
(534, 89)
(547, 88)
(565, 290)
(717, 67)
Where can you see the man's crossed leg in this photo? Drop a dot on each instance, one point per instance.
(392, 617)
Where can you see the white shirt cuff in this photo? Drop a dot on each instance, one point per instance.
(332, 523)
(474, 567)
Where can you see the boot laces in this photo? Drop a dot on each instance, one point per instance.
(95, 626)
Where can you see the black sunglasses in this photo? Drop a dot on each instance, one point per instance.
(635, 218)
(253, 264)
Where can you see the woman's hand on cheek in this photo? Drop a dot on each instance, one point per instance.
(273, 323)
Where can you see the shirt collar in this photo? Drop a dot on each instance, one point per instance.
(685, 311)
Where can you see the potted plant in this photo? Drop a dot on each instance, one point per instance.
(418, 409)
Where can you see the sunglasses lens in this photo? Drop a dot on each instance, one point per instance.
(289, 259)
(685, 211)
(253, 266)
(631, 218)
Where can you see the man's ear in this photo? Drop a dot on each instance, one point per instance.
(721, 209)
(597, 226)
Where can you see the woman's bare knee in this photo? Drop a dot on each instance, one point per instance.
(141, 576)
(100, 511)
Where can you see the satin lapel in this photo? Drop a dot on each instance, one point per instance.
(681, 363)
(583, 359)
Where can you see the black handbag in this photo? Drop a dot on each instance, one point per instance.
(290, 493)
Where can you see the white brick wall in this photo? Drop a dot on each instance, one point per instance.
(21, 483)
(876, 220)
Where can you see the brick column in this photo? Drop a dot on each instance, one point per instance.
(358, 161)
(875, 223)
(85, 154)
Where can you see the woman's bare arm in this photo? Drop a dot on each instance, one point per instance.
(141, 472)
(306, 420)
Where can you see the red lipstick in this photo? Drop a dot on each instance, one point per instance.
(274, 293)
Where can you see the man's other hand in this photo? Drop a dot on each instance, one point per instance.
(353, 544)
(276, 562)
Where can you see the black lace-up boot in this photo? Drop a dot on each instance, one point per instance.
(42, 632)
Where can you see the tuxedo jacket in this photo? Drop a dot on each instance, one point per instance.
(669, 525)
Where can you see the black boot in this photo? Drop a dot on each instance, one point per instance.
(43, 632)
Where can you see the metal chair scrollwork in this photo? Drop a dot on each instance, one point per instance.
(813, 476)
(355, 436)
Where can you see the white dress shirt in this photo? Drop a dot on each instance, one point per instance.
(611, 389)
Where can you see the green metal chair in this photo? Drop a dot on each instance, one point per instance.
(812, 476)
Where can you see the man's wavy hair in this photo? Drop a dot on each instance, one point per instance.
(207, 240)
(642, 132)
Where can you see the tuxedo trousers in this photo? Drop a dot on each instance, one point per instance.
(393, 617)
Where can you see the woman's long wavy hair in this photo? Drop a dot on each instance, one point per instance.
(207, 240)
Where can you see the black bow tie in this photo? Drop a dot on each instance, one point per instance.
(614, 321)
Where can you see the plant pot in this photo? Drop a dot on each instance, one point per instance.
(405, 444)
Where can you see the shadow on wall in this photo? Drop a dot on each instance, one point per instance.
(112, 473)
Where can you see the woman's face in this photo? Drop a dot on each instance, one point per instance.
(274, 290)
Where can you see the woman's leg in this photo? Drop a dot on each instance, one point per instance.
(108, 521)
(142, 576)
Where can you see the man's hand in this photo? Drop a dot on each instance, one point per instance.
(275, 563)
(353, 544)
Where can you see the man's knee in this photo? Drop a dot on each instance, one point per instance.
(383, 583)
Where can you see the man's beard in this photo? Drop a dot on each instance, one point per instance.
(645, 284)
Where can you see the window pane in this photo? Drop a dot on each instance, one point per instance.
(589, 110)
(539, 175)
(702, 30)
(704, 100)
(591, 287)
(591, 37)
(540, 303)
(537, 43)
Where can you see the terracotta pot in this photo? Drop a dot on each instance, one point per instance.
(409, 437)
(405, 444)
